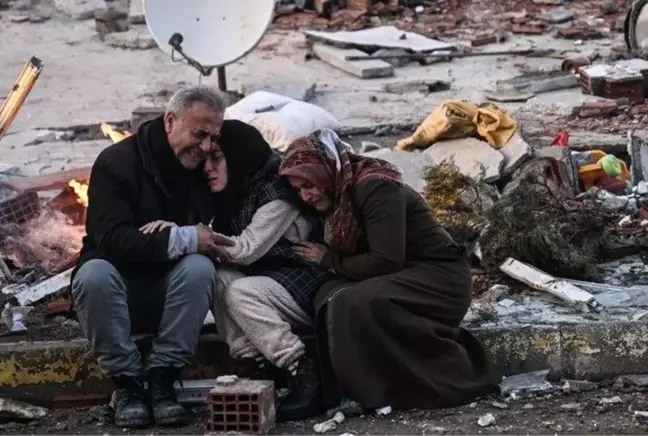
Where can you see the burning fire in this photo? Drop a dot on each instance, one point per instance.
(81, 191)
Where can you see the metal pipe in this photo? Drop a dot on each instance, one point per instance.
(222, 79)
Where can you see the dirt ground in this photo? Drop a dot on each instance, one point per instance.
(564, 411)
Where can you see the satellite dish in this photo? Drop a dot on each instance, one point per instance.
(211, 33)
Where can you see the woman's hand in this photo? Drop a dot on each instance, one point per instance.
(311, 251)
(156, 226)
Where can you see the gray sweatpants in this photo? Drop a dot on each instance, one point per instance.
(110, 308)
(257, 316)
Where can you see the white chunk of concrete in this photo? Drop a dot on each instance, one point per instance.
(411, 163)
(516, 152)
(79, 9)
(470, 155)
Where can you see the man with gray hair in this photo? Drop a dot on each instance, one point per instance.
(128, 281)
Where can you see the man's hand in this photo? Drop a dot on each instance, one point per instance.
(156, 226)
(211, 244)
(311, 251)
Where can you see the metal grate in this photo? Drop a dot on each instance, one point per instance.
(247, 406)
(19, 208)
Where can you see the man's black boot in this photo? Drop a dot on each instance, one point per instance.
(305, 397)
(129, 403)
(164, 400)
(258, 368)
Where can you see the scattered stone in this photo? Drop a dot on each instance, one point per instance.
(611, 400)
(557, 16)
(539, 81)
(496, 293)
(641, 414)
(79, 9)
(19, 18)
(330, 424)
(527, 406)
(136, 12)
(400, 58)
(534, 381)
(598, 108)
(580, 385)
(474, 157)
(571, 406)
(499, 405)
(516, 152)
(486, 420)
(38, 18)
(134, 39)
(424, 86)
(639, 380)
(507, 302)
(411, 163)
(383, 411)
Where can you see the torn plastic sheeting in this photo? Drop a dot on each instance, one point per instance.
(535, 381)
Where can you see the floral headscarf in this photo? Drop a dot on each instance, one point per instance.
(327, 162)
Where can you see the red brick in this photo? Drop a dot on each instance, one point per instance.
(478, 40)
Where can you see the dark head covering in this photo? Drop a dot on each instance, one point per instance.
(247, 155)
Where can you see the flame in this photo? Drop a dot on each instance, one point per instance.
(81, 191)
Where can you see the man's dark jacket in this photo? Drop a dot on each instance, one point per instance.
(134, 182)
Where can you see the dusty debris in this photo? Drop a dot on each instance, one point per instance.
(330, 424)
(611, 400)
(536, 223)
(226, 379)
(14, 318)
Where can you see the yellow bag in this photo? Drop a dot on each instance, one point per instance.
(461, 119)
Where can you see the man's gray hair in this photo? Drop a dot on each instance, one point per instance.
(186, 97)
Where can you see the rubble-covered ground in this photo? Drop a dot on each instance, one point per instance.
(579, 410)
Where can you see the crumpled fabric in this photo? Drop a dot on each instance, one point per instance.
(460, 119)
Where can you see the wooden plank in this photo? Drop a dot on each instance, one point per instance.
(369, 69)
(46, 182)
(544, 282)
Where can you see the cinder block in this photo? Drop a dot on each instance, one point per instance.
(143, 114)
(247, 406)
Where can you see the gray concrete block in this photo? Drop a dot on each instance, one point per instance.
(366, 69)
(136, 12)
(516, 152)
(473, 157)
(134, 39)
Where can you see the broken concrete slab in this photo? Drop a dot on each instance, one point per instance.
(411, 163)
(133, 39)
(370, 69)
(539, 82)
(400, 58)
(516, 152)
(474, 157)
(79, 9)
(136, 12)
(557, 16)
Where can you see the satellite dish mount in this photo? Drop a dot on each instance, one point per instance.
(176, 42)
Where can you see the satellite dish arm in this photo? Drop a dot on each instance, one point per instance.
(176, 43)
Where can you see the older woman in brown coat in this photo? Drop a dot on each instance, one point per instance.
(388, 332)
